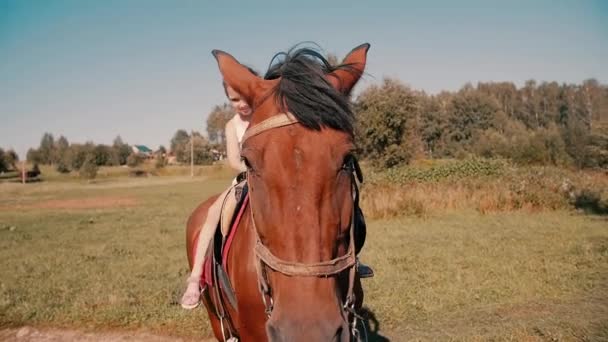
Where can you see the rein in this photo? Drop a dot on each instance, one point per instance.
(266, 259)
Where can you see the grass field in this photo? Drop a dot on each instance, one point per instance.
(110, 255)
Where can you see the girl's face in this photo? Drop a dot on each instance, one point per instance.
(238, 103)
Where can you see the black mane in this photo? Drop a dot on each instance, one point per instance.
(304, 91)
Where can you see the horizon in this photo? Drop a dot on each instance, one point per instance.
(143, 70)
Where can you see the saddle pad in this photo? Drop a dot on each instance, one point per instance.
(207, 276)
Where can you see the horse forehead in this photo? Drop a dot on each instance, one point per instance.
(307, 140)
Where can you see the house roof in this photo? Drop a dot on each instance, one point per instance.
(143, 148)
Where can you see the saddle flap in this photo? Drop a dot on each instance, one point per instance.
(226, 286)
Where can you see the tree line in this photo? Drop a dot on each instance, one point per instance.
(67, 157)
(546, 123)
(543, 124)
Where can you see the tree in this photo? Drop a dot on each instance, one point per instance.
(62, 144)
(78, 154)
(34, 156)
(201, 150)
(179, 139)
(89, 167)
(161, 159)
(385, 114)
(3, 161)
(134, 160)
(48, 153)
(12, 158)
(104, 155)
(120, 151)
(216, 122)
(596, 151)
(61, 147)
(529, 110)
(63, 166)
(433, 120)
(469, 112)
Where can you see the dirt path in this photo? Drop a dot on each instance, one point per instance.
(31, 334)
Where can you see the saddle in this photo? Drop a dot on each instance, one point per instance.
(215, 266)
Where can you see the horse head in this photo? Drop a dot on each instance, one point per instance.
(299, 154)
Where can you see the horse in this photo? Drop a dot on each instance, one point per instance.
(292, 262)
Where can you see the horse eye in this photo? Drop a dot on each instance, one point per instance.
(347, 163)
(246, 162)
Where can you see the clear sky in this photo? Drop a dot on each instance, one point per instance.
(92, 70)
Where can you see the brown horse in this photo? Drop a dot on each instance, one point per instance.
(292, 262)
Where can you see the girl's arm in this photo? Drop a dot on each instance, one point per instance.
(232, 148)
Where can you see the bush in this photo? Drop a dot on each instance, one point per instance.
(452, 170)
(3, 161)
(161, 162)
(89, 168)
(134, 160)
(62, 166)
(592, 201)
(395, 155)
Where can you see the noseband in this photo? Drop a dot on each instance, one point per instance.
(266, 259)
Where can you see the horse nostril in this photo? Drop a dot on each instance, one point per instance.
(343, 333)
(273, 333)
(324, 331)
(338, 336)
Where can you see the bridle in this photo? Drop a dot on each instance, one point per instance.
(266, 259)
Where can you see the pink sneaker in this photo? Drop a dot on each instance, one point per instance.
(192, 297)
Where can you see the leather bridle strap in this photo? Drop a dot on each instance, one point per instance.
(279, 120)
(324, 268)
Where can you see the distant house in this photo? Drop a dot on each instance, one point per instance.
(217, 155)
(143, 150)
(171, 159)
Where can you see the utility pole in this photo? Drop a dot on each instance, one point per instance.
(191, 153)
(23, 171)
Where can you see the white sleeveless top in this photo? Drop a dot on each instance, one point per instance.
(240, 126)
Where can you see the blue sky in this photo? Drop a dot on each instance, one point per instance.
(92, 70)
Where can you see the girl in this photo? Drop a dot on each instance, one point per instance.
(235, 128)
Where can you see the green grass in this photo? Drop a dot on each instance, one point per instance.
(466, 276)
(454, 276)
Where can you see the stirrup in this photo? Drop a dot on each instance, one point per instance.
(364, 271)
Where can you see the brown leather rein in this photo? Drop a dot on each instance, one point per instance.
(333, 267)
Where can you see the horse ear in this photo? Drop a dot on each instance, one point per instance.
(237, 76)
(344, 79)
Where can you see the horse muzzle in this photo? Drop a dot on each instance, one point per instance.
(324, 330)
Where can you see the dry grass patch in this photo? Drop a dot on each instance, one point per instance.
(79, 203)
(533, 189)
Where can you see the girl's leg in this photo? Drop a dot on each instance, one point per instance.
(191, 297)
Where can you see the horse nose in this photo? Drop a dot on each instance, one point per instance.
(273, 332)
(284, 331)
